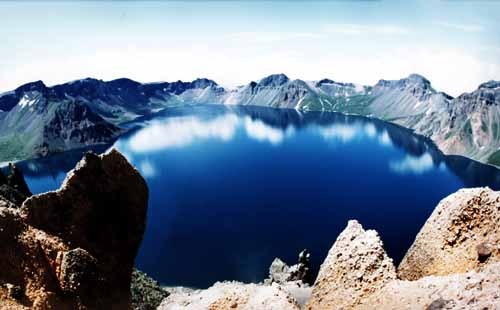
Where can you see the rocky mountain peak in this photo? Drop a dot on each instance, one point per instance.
(274, 80)
(203, 83)
(417, 78)
(495, 85)
(32, 86)
(324, 81)
(123, 83)
(413, 80)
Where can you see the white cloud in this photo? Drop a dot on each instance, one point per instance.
(240, 63)
(361, 29)
(412, 164)
(461, 27)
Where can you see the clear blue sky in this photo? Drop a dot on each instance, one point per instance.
(456, 44)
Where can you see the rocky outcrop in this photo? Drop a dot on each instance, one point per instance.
(147, 294)
(13, 188)
(462, 234)
(232, 295)
(74, 248)
(300, 273)
(355, 267)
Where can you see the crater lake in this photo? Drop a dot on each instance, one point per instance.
(231, 188)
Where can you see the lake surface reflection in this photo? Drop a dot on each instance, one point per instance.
(233, 188)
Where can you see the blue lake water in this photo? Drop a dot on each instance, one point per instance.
(233, 188)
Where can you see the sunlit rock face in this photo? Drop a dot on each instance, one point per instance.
(74, 248)
(471, 290)
(462, 234)
(355, 267)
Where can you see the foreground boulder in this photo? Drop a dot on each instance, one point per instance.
(74, 248)
(462, 234)
(356, 266)
(232, 295)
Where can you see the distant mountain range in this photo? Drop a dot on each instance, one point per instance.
(37, 120)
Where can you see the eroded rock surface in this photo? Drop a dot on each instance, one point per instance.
(232, 295)
(471, 290)
(462, 234)
(74, 248)
(355, 267)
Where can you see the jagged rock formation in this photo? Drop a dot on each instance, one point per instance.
(355, 267)
(462, 234)
(300, 273)
(74, 248)
(232, 295)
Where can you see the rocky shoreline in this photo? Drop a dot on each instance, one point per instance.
(74, 248)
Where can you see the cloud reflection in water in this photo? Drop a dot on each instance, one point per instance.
(412, 164)
(178, 132)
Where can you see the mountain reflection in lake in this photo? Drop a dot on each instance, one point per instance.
(231, 188)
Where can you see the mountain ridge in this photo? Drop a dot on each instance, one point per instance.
(467, 125)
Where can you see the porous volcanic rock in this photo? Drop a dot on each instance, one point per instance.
(471, 290)
(355, 267)
(74, 248)
(462, 234)
(232, 295)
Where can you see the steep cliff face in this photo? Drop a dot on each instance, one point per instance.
(471, 125)
(74, 248)
(39, 126)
